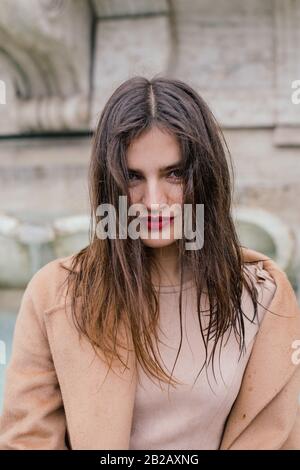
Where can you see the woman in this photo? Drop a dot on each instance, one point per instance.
(138, 341)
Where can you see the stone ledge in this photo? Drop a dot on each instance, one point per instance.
(287, 136)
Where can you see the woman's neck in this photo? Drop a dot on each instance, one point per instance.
(167, 262)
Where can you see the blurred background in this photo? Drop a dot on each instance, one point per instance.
(59, 62)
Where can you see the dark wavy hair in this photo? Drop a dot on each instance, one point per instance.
(112, 277)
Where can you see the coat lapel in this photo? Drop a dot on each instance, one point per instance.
(270, 365)
(98, 405)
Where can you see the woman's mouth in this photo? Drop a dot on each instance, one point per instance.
(157, 223)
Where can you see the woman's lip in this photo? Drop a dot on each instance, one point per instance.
(158, 219)
(159, 223)
(162, 219)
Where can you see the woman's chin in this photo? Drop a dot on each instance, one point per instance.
(158, 243)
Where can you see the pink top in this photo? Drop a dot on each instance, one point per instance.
(193, 417)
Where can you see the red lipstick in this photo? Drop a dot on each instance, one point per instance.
(157, 223)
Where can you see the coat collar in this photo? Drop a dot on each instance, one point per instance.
(270, 365)
(99, 404)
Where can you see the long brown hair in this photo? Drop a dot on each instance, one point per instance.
(112, 277)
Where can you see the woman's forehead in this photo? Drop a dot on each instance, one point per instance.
(153, 148)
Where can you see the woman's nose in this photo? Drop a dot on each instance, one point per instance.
(154, 196)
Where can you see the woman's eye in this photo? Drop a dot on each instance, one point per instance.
(176, 174)
(133, 176)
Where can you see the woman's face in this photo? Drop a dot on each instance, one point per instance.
(155, 180)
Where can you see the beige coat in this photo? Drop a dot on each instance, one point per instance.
(53, 393)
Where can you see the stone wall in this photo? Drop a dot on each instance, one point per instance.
(61, 59)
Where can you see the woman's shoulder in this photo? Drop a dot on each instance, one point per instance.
(264, 284)
(266, 273)
(45, 293)
(262, 277)
(48, 286)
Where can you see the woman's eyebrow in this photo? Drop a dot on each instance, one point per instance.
(161, 169)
